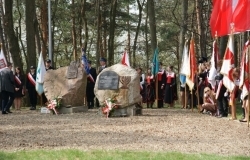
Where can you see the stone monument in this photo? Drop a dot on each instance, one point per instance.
(70, 84)
(122, 81)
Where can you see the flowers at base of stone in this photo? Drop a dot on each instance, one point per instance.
(54, 104)
(109, 105)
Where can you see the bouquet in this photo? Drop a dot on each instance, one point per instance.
(53, 104)
(109, 105)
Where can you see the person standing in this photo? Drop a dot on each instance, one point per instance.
(19, 92)
(103, 65)
(161, 78)
(7, 88)
(150, 89)
(91, 78)
(170, 87)
(48, 65)
(31, 87)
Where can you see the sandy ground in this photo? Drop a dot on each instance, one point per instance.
(156, 130)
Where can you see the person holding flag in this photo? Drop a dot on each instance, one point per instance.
(19, 91)
(31, 87)
(91, 78)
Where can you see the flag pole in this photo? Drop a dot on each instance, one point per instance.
(185, 97)
(248, 108)
(156, 89)
(197, 90)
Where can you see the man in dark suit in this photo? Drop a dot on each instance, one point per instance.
(90, 86)
(103, 65)
(7, 88)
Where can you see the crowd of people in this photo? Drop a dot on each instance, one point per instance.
(162, 88)
(14, 86)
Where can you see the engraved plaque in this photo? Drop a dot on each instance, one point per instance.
(108, 80)
(72, 70)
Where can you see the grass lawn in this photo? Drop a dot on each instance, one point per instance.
(72, 154)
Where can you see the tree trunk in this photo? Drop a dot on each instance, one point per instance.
(98, 33)
(128, 45)
(202, 49)
(112, 32)
(146, 38)
(12, 38)
(85, 24)
(223, 46)
(140, 6)
(183, 28)
(30, 32)
(152, 24)
(2, 40)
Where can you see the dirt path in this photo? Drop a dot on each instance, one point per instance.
(157, 130)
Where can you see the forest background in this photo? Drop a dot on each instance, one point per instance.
(105, 28)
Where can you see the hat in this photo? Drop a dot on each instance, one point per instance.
(204, 59)
(103, 59)
(89, 62)
(48, 61)
(32, 67)
(200, 60)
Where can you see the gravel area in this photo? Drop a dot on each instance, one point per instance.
(156, 130)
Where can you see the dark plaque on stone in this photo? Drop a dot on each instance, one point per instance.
(108, 80)
(72, 70)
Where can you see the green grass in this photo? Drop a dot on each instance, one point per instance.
(71, 154)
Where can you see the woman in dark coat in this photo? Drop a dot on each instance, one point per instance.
(150, 89)
(170, 87)
(19, 91)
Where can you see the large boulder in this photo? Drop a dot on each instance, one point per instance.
(126, 94)
(72, 91)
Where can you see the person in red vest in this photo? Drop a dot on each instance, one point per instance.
(31, 87)
(161, 78)
(170, 87)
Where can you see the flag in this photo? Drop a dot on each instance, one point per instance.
(3, 62)
(40, 73)
(184, 65)
(241, 16)
(228, 65)
(221, 17)
(190, 79)
(125, 59)
(85, 61)
(244, 67)
(155, 63)
(213, 68)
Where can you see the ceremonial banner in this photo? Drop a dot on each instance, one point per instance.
(185, 69)
(3, 62)
(40, 73)
(213, 68)
(125, 59)
(155, 63)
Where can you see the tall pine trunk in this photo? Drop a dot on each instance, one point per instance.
(152, 24)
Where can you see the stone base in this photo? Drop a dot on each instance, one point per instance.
(69, 110)
(128, 111)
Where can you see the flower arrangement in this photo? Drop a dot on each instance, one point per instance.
(54, 104)
(109, 105)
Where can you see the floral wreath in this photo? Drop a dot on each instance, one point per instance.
(54, 104)
(109, 105)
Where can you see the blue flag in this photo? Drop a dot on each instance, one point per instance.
(155, 63)
(85, 61)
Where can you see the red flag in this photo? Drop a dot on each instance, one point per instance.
(241, 16)
(221, 17)
(190, 79)
(228, 64)
(244, 67)
(125, 59)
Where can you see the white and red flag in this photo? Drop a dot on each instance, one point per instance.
(213, 69)
(125, 59)
(190, 79)
(228, 64)
(244, 67)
